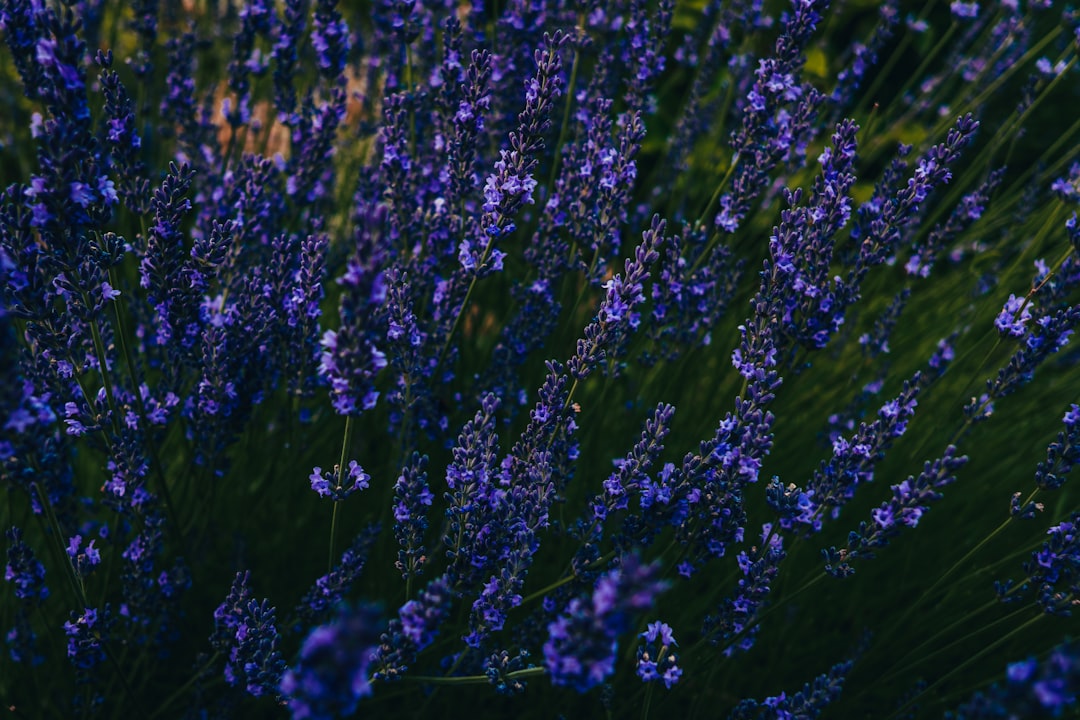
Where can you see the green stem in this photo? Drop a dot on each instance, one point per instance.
(919, 73)
(886, 69)
(964, 665)
(58, 536)
(116, 666)
(345, 444)
(103, 366)
(929, 592)
(184, 688)
(598, 563)
(155, 461)
(333, 532)
(904, 669)
(570, 86)
(648, 700)
(474, 679)
(458, 316)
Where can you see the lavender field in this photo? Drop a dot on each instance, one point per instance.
(539, 359)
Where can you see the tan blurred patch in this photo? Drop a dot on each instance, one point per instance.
(264, 116)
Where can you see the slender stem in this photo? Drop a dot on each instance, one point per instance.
(648, 700)
(184, 688)
(474, 679)
(155, 461)
(928, 593)
(962, 666)
(556, 155)
(333, 532)
(983, 627)
(59, 535)
(116, 666)
(103, 366)
(599, 562)
(345, 443)
(458, 316)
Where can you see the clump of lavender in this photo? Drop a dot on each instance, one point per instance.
(656, 658)
(1033, 687)
(392, 313)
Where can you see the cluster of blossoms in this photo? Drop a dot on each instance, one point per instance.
(1033, 687)
(656, 658)
(245, 242)
(583, 639)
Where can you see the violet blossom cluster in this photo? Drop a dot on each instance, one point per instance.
(477, 254)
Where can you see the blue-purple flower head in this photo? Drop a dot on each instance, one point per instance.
(332, 674)
(656, 659)
(1067, 187)
(964, 10)
(583, 640)
(23, 569)
(1061, 456)
(888, 515)
(1013, 318)
(84, 632)
(328, 485)
(1032, 688)
(1072, 229)
(246, 633)
(83, 559)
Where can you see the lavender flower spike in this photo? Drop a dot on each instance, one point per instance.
(512, 184)
(583, 640)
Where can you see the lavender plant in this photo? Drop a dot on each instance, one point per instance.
(415, 359)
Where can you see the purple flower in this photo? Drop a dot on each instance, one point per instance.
(1049, 334)
(330, 484)
(967, 211)
(416, 627)
(964, 10)
(656, 659)
(688, 301)
(84, 560)
(350, 359)
(108, 293)
(329, 590)
(330, 38)
(809, 702)
(472, 500)
(777, 115)
(332, 674)
(84, 632)
(245, 632)
(1052, 573)
(124, 145)
(607, 335)
(1013, 318)
(942, 356)
(499, 666)
(910, 500)
(734, 626)
(1032, 688)
(854, 458)
(411, 498)
(511, 185)
(659, 631)
(23, 569)
(583, 640)
(1062, 454)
